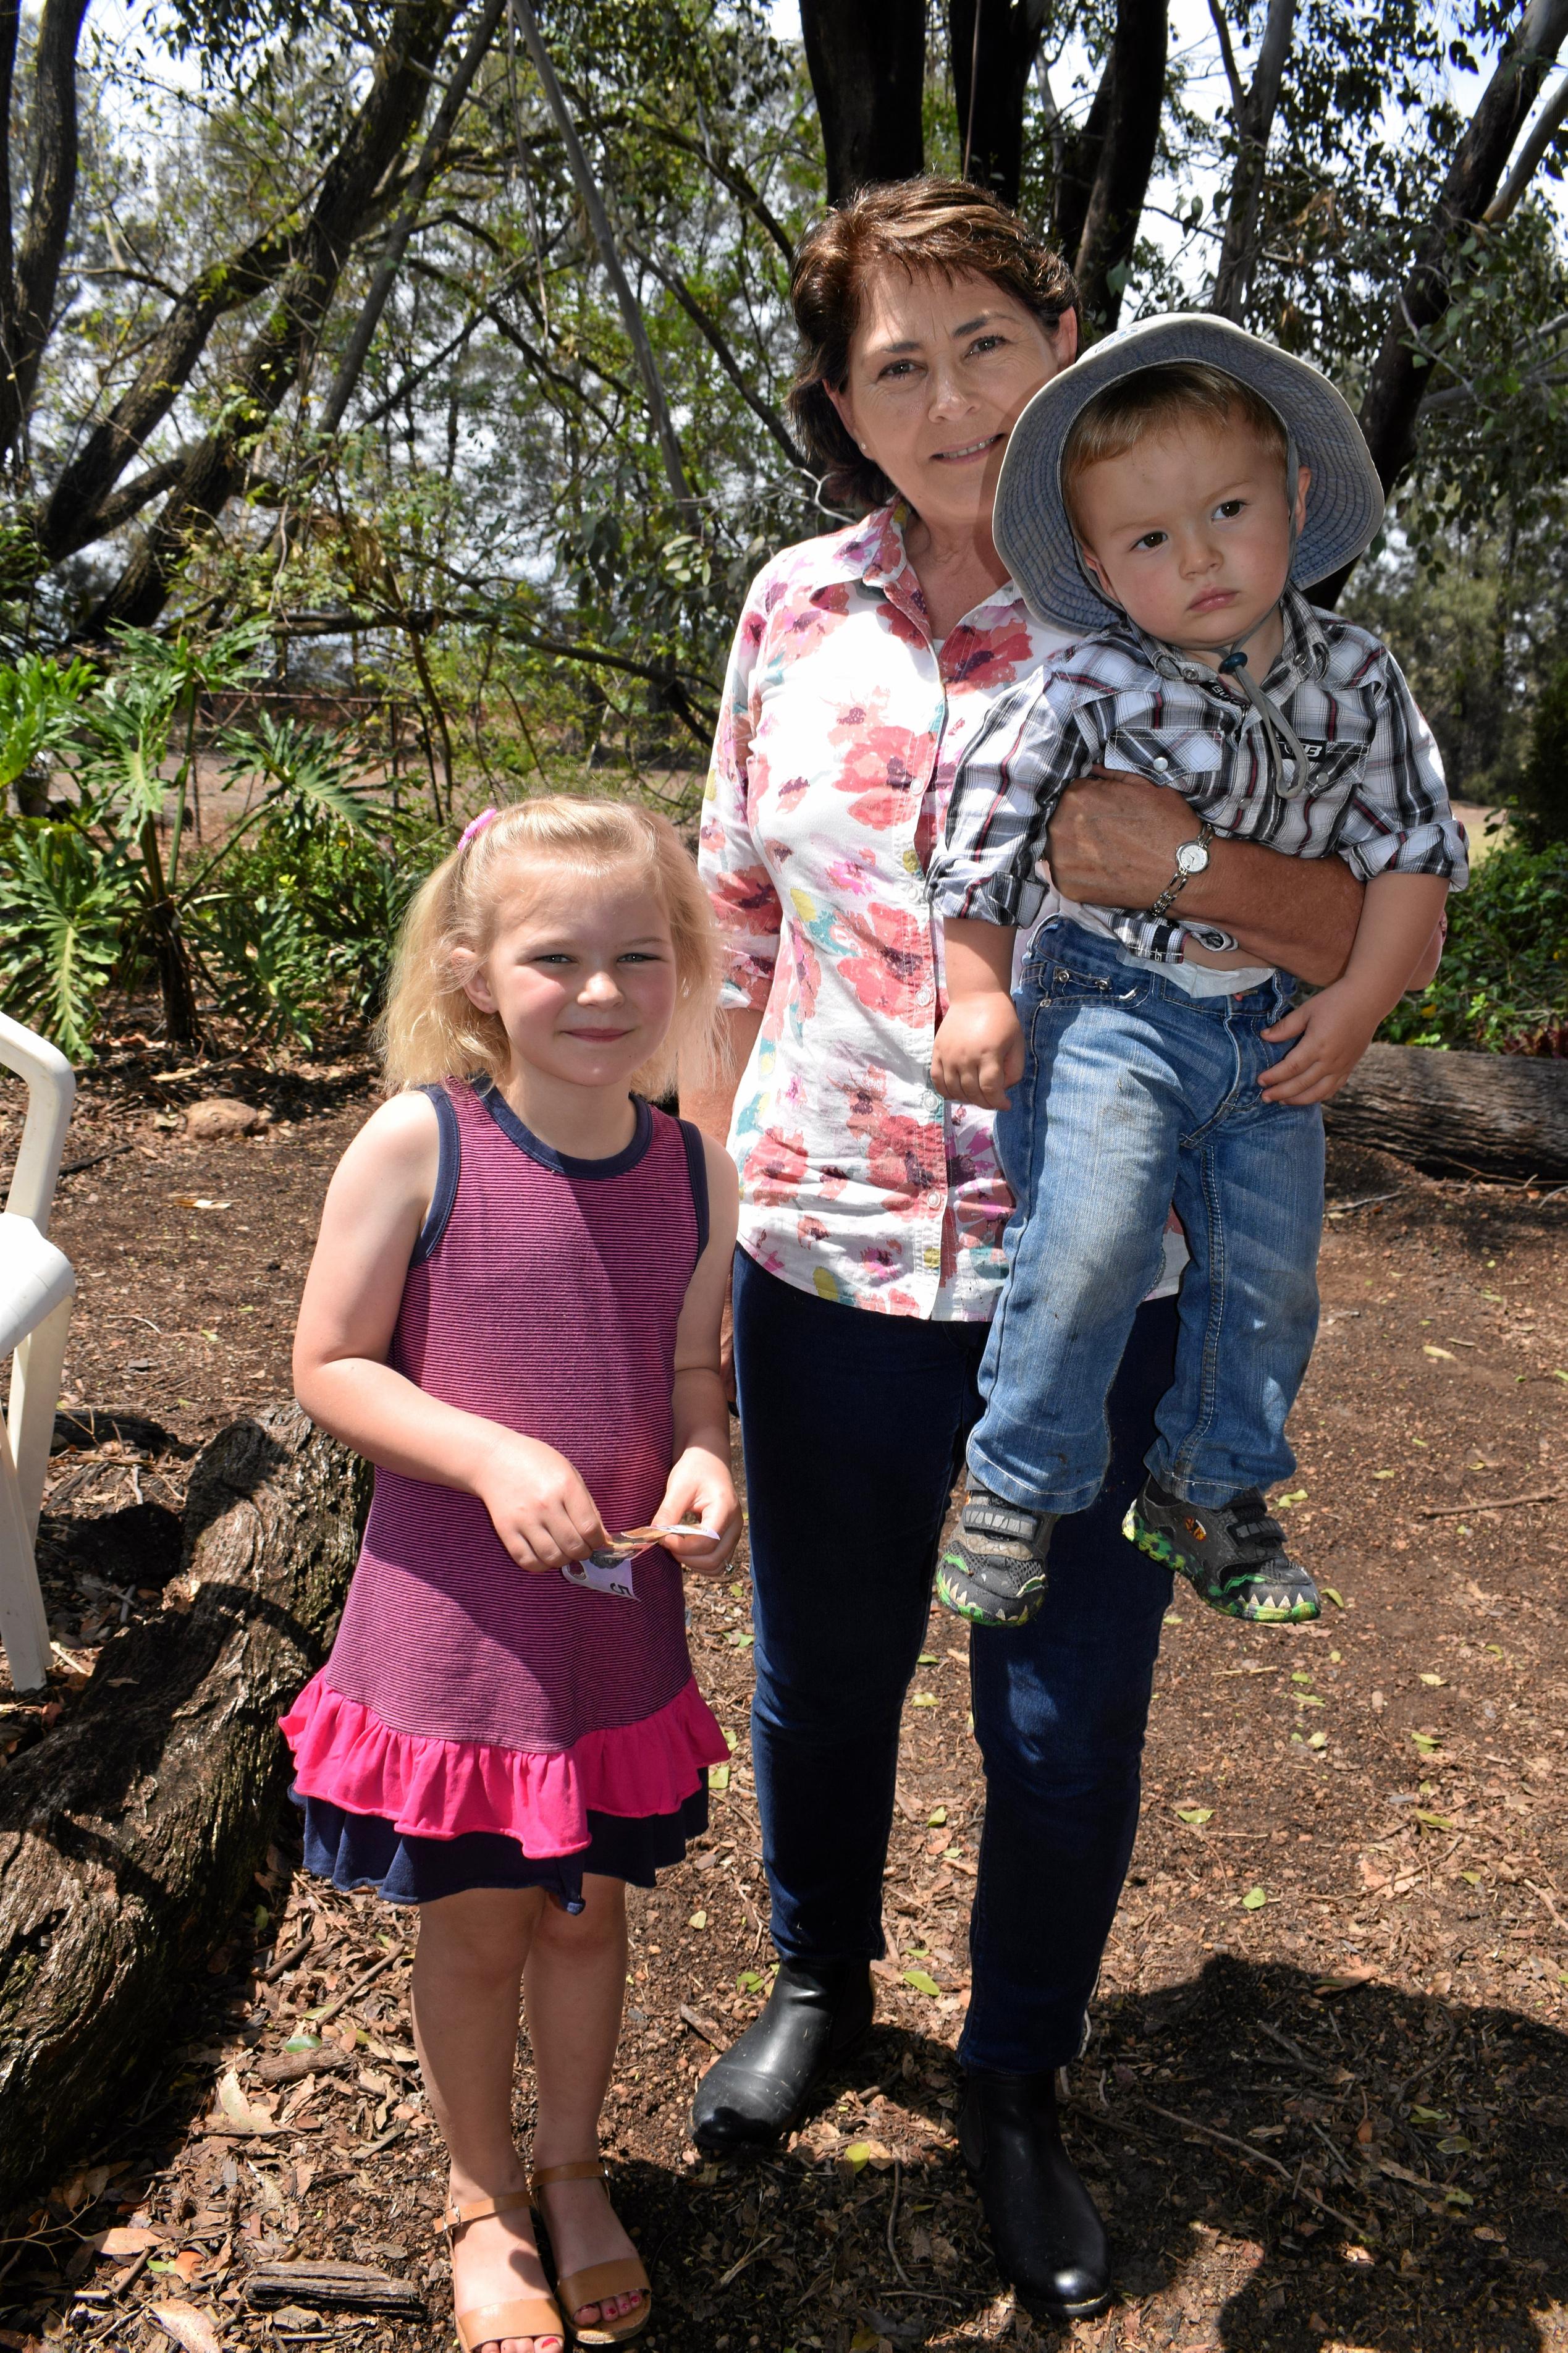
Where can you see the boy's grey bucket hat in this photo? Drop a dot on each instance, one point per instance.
(1033, 535)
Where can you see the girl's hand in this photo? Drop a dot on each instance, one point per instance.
(701, 1483)
(538, 1504)
(1333, 1030)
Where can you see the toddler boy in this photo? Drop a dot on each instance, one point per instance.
(1165, 495)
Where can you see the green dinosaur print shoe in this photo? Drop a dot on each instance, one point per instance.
(1233, 1557)
(993, 1571)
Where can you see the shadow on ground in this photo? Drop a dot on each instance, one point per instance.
(1277, 2170)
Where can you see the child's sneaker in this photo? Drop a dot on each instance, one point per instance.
(993, 1571)
(1234, 1557)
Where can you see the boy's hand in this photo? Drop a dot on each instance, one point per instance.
(538, 1504)
(979, 1051)
(701, 1483)
(1333, 1030)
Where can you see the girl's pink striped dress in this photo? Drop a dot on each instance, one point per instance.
(479, 1724)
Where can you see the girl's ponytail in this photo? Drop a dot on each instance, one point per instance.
(432, 1030)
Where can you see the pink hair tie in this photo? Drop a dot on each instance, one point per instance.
(471, 832)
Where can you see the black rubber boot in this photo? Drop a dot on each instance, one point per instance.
(815, 2016)
(1048, 2238)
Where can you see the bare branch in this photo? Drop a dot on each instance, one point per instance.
(1255, 115)
(712, 335)
(1237, 90)
(730, 176)
(375, 300)
(1552, 117)
(587, 188)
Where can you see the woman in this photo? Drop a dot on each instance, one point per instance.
(872, 1212)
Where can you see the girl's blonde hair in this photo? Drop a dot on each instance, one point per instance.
(432, 1030)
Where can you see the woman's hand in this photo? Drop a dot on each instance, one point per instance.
(538, 1504)
(979, 1051)
(1112, 838)
(701, 1484)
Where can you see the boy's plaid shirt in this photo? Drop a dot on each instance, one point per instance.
(1376, 797)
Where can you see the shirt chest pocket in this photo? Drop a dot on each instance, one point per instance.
(1193, 759)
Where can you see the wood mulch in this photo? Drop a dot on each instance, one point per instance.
(1325, 2101)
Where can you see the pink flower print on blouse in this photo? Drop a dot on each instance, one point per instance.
(878, 765)
(890, 973)
(833, 759)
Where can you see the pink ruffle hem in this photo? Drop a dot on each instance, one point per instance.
(440, 1789)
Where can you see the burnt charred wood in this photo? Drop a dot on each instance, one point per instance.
(337, 2287)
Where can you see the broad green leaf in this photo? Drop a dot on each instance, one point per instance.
(922, 1980)
(1254, 1900)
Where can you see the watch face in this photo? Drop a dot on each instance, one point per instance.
(1192, 857)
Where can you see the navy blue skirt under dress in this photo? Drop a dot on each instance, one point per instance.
(367, 1850)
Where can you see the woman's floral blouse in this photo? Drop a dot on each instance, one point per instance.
(841, 730)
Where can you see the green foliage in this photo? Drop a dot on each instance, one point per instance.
(38, 700)
(306, 924)
(1503, 980)
(1541, 795)
(64, 905)
(287, 918)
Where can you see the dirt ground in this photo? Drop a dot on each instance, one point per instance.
(1325, 2100)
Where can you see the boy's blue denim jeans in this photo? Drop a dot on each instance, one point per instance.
(854, 1425)
(1136, 1095)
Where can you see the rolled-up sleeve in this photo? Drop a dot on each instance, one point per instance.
(1008, 783)
(1399, 820)
(739, 885)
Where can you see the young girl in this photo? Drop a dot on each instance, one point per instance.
(513, 1309)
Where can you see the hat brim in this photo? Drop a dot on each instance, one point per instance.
(1033, 535)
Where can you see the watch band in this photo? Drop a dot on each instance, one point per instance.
(1179, 882)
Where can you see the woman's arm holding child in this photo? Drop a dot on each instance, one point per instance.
(699, 1480)
(375, 1205)
(1333, 1030)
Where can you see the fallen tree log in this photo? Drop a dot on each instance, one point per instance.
(1497, 1116)
(130, 1833)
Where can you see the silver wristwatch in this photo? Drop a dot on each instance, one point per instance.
(1191, 857)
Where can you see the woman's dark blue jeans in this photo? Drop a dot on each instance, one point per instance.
(854, 1426)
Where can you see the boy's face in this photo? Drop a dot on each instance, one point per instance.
(1190, 531)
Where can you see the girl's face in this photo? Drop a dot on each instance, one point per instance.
(580, 973)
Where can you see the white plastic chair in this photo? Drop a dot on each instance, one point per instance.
(37, 1286)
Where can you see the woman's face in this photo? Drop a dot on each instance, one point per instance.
(939, 369)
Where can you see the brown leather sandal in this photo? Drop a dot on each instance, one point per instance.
(591, 2285)
(489, 2324)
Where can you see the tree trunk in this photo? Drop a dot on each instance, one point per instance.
(1253, 115)
(25, 330)
(129, 1835)
(217, 466)
(1401, 375)
(1470, 1114)
(867, 62)
(1136, 70)
(993, 45)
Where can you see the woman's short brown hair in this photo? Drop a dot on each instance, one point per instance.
(928, 223)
